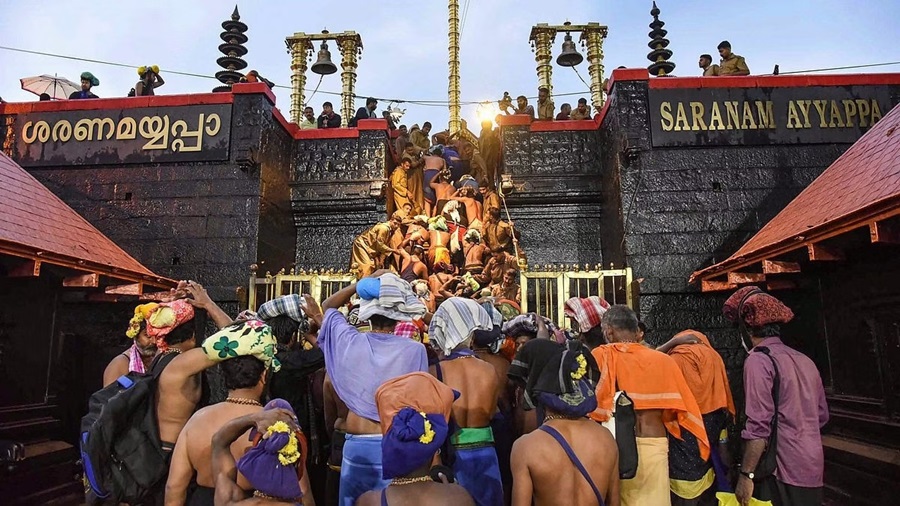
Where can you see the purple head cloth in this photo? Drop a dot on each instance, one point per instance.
(261, 467)
(401, 448)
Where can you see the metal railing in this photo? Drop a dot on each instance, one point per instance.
(545, 289)
(320, 284)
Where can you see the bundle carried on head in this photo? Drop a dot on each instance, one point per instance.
(395, 299)
(454, 322)
(587, 311)
(275, 463)
(251, 337)
(165, 318)
(142, 70)
(756, 307)
(293, 306)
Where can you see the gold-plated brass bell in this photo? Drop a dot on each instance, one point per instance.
(570, 56)
(324, 66)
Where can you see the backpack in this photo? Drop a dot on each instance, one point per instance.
(121, 450)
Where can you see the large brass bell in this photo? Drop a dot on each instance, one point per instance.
(324, 66)
(570, 56)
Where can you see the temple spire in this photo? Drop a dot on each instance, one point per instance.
(659, 55)
(232, 49)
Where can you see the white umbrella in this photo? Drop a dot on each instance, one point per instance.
(57, 87)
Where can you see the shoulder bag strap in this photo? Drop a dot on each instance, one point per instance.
(574, 458)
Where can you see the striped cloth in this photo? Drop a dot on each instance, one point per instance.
(396, 300)
(292, 306)
(586, 311)
(454, 321)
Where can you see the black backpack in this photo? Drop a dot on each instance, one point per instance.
(121, 451)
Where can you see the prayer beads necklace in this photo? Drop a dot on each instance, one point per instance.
(560, 417)
(242, 401)
(410, 481)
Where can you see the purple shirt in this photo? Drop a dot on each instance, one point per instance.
(802, 411)
(359, 362)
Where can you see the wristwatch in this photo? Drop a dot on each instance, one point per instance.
(750, 474)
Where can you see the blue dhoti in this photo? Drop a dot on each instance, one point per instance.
(476, 467)
(361, 467)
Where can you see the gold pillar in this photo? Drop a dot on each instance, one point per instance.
(542, 37)
(299, 48)
(453, 85)
(592, 37)
(350, 49)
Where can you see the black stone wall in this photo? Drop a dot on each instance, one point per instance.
(556, 203)
(206, 221)
(671, 211)
(330, 195)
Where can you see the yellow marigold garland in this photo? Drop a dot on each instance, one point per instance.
(290, 453)
(428, 436)
(582, 368)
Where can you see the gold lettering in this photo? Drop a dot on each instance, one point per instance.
(180, 129)
(862, 106)
(62, 131)
(715, 118)
(820, 108)
(681, 121)
(804, 108)
(793, 119)
(766, 112)
(666, 121)
(748, 122)
(127, 129)
(849, 111)
(876, 112)
(40, 132)
(84, 129)
(156, 129)
(731, 109)
(217, 120)
(835, 114)
(697, 122)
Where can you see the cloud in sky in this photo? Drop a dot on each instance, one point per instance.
(405, 55)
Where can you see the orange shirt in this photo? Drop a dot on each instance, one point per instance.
(704, 372)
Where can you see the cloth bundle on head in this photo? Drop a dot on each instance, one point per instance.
(469, 181)
(167, 317)
(587, 311)
(488, 337)
(566, 382)
(758, 309)
(415, 411)
(275, 464)
(415, 330)
(454, 321)
(396, 301)
(293, 306)
(143, 70)
(251, 337)
(533, 356)
(525, 324)
(141, 314)
(87, 76)
(438, 223)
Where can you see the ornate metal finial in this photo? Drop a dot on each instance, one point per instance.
(659, 55)
(232, 49)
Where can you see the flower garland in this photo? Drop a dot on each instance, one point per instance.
(290, 452)
(582, 367)
(141, 313)
(429, 434)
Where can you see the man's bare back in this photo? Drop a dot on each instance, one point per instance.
(649, 423)
(175, 403)
(419, 494)
(198, 433)
(542, 471)
(476, 381)
(501, 367)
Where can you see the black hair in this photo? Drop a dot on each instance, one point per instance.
(242, 372)
(582, 101)
(594, 337)
(566, 105)
(327, 104)
(724, 44)
(425, 125)
(708, 57)
(621, 317)
(403, 126)
(371, 100)
(522, 97)
(308, 107)
(381, 322)
(283, 328)
(188, 330)
(44, 97)
(770, 330)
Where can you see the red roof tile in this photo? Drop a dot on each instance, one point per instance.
(36, 223)
(866, 178)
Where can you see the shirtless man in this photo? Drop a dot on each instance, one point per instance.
(439, 246)
(466, 195)
(245, 381)
(658, 391)
(560, 382)
(225, 469)
(443, 189)
(358, 363)
(476, 466)
(434, 164)
(411, 266)
(443, 272)
(144, 346)
(336, 424)
(475, 251)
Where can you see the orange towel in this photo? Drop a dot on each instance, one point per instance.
(704, 371)
(653, 381)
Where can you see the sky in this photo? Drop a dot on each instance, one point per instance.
(405, 42)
